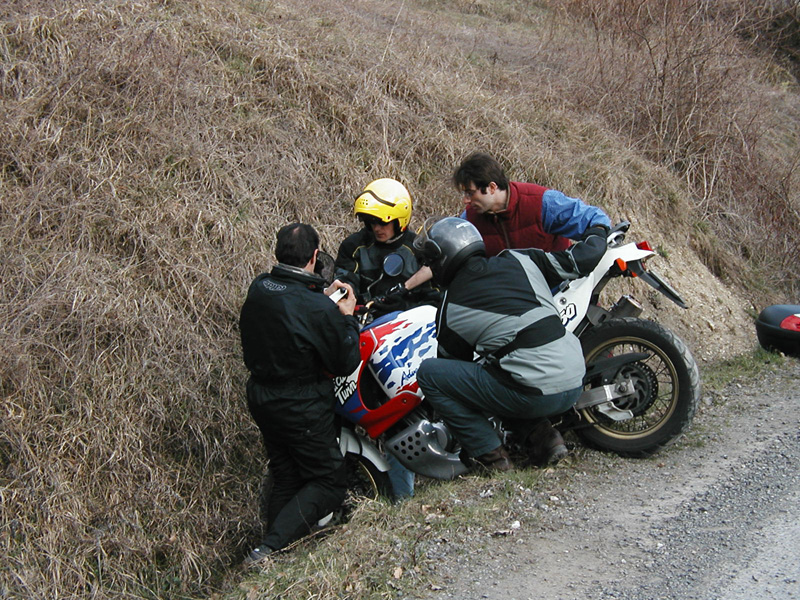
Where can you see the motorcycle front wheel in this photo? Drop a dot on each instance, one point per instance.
(666, 387)
(364, 480)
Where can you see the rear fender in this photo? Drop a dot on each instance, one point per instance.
(654, 279)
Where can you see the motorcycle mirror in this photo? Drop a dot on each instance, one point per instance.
(393, 264)
(325, 267)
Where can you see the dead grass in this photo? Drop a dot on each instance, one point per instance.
(689, 84)
(149, 152)
(389, 550)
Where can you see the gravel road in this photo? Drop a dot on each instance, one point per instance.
(715, 516)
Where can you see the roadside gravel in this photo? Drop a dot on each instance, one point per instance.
(714, 516)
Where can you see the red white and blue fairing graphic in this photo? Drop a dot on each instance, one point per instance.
(392, 348)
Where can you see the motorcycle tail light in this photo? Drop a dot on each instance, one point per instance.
(791, 323)
(644, 245)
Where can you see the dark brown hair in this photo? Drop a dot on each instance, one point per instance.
(296, 244)
(481, 169)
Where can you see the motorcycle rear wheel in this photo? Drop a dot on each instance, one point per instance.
(364, 480)
(667, 387)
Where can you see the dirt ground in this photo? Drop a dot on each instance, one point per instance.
(713, 516)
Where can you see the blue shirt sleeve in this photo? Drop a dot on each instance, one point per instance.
(569, 217)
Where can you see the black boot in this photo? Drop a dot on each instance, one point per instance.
(545, 445)
(258, 554)
(496, 460)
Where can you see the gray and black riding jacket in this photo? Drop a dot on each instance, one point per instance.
(502, 309)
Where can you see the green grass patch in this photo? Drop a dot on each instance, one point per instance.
(755, 364)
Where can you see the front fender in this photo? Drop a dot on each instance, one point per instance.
(350, 442)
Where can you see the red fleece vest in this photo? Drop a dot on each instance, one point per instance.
(520, 225)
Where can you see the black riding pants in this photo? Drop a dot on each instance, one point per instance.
(304, 457)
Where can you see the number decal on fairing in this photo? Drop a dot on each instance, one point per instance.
(570, 312)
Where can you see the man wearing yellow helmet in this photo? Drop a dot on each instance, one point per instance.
(385, 209)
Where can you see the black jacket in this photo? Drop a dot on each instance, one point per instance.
(360, 262)
(293, 336)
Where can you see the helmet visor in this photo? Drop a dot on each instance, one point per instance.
(325, 267)
(370, 220)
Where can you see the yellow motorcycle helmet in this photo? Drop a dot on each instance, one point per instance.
(386, 200)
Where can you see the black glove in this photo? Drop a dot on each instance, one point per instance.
(424, 295)
(588, 252)
(386, 304)
(600, 230)
(399, 290)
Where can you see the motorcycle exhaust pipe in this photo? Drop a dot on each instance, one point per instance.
(422, 448)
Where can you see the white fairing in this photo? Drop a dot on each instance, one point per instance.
(573, 302)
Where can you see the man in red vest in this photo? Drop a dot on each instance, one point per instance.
(515, 215)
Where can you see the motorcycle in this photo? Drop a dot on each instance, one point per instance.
(641, 387)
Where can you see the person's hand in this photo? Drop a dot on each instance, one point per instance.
(347, 304)
(333, 287)
(390, 303)
(399, 290)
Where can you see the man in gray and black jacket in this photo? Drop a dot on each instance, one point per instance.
(501, 308)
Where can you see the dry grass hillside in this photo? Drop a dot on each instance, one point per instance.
(150, 150)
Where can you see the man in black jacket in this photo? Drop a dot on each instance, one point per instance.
(293, 339)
